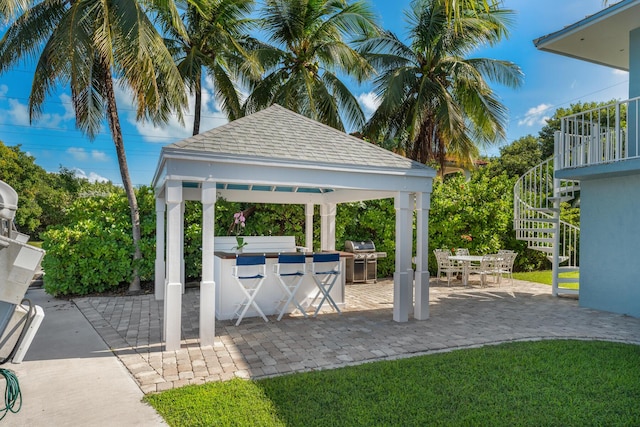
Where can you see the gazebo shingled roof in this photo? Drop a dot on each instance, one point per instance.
(269, 132)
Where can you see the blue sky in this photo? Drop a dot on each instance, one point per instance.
(551, 81)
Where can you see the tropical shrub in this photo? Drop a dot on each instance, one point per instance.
(476, 214)
(92, 251)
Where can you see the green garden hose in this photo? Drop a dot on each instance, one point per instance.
(12, 393)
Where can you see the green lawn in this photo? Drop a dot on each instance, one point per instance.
(544, 383)
(544, 277)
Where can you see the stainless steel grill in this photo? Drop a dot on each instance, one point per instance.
(363, 267)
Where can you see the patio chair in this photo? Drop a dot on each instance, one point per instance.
(290, 271)
(325, 270)
(249, 272)
(446, 266)
(505, 266)
(489, 266)
(472, 267)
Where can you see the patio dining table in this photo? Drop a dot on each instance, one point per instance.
(466, 261)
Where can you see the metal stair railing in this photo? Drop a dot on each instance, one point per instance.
(537, 199)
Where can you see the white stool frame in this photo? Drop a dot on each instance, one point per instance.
(290, 280)
(250, 267)
(325, 270)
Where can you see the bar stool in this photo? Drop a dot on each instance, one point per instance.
(290, 271)
(249, 272)
(325, 270)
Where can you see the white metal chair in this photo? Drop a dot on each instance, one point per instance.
(290, 271)
(249, 272)
(489, 266)
(325, 270)
(505, 264)
(472, 267)
(446, 266)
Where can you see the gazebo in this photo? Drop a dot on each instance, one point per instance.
(278, 156)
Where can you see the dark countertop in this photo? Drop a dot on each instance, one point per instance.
(232, 255)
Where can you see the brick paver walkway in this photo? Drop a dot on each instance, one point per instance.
(459, 318)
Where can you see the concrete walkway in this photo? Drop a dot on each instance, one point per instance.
(69, 376)
(461, 317)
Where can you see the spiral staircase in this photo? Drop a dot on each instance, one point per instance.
(537, 200)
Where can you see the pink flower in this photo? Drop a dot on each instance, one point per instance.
(238, 223)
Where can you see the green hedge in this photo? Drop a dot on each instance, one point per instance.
(93, 252)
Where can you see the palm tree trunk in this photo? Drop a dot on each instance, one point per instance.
(116, 133)
(198, 104)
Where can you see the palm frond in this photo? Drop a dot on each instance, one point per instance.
(226, 93)
(144, 63)
(345, 101)
(26, 36)
(11, 8)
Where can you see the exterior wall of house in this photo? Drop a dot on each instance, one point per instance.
(634, 63)
(610, 243)
(634, 83)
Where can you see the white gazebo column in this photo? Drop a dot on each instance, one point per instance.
(159, 277)
(328, 227)
(421, 297)
(403, 276)
(308, 226)
(173, 288)
(208, 285)
(182, 269)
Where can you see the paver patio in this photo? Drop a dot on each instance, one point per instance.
(460, 317)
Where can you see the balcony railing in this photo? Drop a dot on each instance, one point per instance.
(602, 135)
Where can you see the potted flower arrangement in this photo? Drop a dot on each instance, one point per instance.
(238, 229)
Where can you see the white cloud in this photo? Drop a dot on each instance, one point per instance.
(173, 130)
(535, 116)
(82, 155)
(99, 156)
(69, 113)
(79, 154)
(615, 71)
(370, 102)
(3, 90)
(92, 177)
(18, 113)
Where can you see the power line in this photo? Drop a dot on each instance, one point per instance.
(214, 115)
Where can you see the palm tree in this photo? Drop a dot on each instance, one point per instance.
(9, 8)
(310, 46)
(432, 97)
(92, 45)
(455, 9)
(215, 42)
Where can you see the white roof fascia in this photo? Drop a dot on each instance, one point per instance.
(177, 154)
(293, 175)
